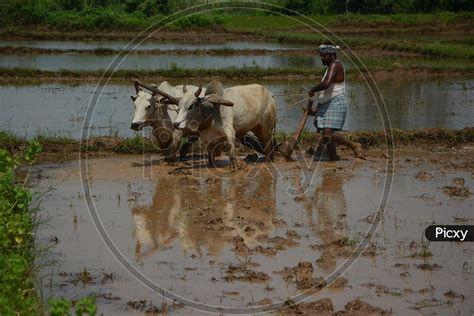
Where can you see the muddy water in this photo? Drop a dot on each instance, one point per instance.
(185, 228)
(59, 109)
(151, 62)
(163, 45)
(73, 61)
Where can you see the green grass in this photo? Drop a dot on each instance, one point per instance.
(439, 49)
(400, 137)
(282, 29)
(138, 144)
(429, 135)
(392, 20)
(428, 48)
(18, 295)
(135, 145)
(56, 23)
(230, 72)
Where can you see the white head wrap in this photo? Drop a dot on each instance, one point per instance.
(328, 49)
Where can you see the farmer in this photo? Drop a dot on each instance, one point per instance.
(331, 105)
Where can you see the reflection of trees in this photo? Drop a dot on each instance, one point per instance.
(411, 104)
(204, 213)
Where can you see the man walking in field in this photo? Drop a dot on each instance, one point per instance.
(331, 105)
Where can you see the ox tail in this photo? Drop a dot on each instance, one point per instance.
(215, 87)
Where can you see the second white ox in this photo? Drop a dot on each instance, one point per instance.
(221, 116)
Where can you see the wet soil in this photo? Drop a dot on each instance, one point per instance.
(431, 140)
(264, 234)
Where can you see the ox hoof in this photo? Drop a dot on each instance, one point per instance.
(238, 165)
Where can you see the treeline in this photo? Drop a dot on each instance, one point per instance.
(96, 14)
(93, 14)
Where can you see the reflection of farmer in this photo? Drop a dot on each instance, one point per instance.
(331, 220)
(331, 104)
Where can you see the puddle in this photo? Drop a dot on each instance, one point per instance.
(59, 109)
(151, 62)
(227, 241)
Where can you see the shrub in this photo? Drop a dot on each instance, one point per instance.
(17, 291)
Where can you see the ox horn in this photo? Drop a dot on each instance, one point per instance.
(157, 91)
(226, 103)
(137, 86)
(216, 100)
(198, 91)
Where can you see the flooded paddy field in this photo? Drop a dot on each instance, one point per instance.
(85, 62)
(262, 235)
(59, 109)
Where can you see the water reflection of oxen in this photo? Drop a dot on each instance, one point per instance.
(204, 214)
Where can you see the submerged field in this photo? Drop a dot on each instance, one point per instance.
(267, 47)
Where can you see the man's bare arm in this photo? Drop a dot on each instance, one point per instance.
(328, 80)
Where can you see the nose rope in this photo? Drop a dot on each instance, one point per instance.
(177, 123)
(174, 108)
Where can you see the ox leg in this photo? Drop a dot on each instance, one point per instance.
(252, 142)
(211, 157)
(185, 148)
(174, 146)
(167, 151)
(168, 141)
(231, 143)
(266, 138)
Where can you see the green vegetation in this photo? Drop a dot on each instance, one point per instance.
(400, 137)
(97, 15)
(17, 215)
(137, 14)
(431, 48)
(62, 306)
(383, 22)
(233, 73)
(64, 145)
(356, 22)
(370, 6)
(173, 72)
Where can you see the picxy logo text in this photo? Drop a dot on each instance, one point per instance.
(449, 233)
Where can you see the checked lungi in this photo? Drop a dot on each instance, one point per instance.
(332, 113)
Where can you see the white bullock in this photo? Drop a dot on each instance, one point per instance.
(158, 109)
(221, 116)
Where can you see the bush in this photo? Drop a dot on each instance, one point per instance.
(17, 291)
